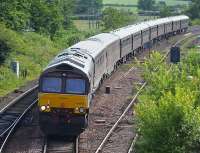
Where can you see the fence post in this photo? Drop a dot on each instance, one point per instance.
(15, 67)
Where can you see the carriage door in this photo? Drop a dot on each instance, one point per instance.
(107, 62)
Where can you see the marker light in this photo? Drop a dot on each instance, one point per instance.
(48, 107)
(81, 110)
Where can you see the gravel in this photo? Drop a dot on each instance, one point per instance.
(104, 111)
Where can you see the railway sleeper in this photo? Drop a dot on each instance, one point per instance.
(3, 124)
(23, 104)
(9, 118)
(18, 109)
(13, 113)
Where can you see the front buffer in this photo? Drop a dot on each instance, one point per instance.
(62, 124)
(63, 114)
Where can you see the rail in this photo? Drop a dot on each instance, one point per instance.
(11, 112)
(60, 145)
(15, 125)
(18, 99)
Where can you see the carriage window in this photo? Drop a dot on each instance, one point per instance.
(51, 84)
(76, 86)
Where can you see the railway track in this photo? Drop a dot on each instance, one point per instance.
(60, 145)
(14, 112)
(194, 32)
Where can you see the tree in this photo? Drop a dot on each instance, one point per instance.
(46, 17)
(114, 18)
(86, 6)
(4, 51)
(146, 4)
(194, 10)
(165, 11)
(15, 13)
(111, 18)
(67, 8)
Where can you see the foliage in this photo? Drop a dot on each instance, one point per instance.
(125, 2)
(4, 51)
(194, 11)
(9, 41)
(113, 18)
(165, 11)
(86, 6)
(196, 22)
(66, 38)
(43, 16)
(168, 115)
(146, 4)
(33, 51)
(46, 18)
(67, 8)
(15, 13)
(135, 2)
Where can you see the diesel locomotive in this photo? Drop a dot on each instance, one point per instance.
(67, 84)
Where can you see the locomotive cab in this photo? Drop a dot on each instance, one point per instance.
(63, 101)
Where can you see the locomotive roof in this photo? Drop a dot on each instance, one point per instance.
(131, 29)
(96, 44)
(73, 57)
(178, 18)
(142, 26)
(156, 22)
(104, 38)
(89, 46)
(125, 31)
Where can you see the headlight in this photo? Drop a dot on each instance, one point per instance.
(76, 110)
(43, 108)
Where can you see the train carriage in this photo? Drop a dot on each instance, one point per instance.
(137, 37)
(161, 28)
(130, 40)
(176, 24)
(153, 30)
(184, 23)
(67, 84)
(110, 48)
(168, 27)
(145, 30)
(125, 40)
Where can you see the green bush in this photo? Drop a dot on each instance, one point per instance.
(168, 115)
(4, 51)
(33, 51)
(196, 22)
